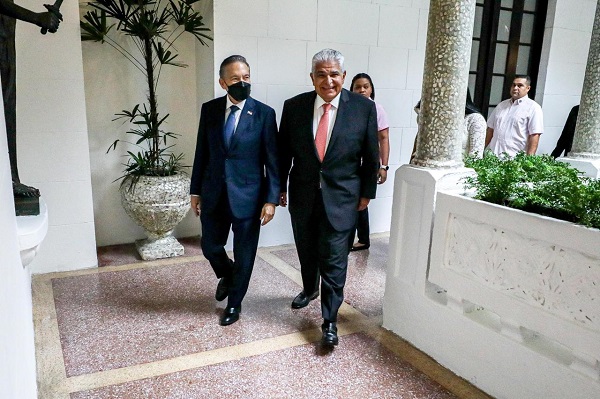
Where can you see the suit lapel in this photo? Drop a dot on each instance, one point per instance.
(243, 126)
(338, 127)
(303, 123)
(306, 118)
(245, 122)
(218, 122)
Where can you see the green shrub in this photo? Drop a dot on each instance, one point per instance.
(536, 183)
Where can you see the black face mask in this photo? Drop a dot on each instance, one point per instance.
(239, 91)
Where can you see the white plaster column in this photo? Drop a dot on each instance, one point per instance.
(439, 150)
(438, 166)
(585, 154)
(447, 56)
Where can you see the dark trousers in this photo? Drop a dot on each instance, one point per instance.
(215, 230)
(323, 254)
(362, 229)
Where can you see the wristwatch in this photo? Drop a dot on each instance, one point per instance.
(385, 167)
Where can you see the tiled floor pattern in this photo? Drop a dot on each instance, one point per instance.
(134, 329)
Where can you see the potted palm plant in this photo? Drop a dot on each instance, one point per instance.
(154, 187)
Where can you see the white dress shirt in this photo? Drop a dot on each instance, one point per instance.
(513, 122)
(240, 105)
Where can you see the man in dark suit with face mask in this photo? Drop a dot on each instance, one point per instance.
(235, 180)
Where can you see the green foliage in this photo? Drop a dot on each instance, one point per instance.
(153, 26)
(537, 184)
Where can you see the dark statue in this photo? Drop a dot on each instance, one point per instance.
(48, 21)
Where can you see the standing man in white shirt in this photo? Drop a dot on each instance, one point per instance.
(516, 123)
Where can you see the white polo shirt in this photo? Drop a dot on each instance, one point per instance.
(513, 122)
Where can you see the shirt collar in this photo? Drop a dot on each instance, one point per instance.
(240, 105)
(520, 100)
(335, 102)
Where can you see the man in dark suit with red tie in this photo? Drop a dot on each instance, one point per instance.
(328, 137)
(235, 180)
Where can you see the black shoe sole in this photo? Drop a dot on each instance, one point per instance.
(229, 321)
(305, 304)
(219, 296)
(361, 248)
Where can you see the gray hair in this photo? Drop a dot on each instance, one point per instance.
(328, 55)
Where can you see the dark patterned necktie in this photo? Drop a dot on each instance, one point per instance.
(230, 125)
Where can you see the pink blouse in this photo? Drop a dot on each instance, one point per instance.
(382, 121)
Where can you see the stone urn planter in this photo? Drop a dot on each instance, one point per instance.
(158, 204)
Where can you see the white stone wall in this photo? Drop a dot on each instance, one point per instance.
(502, 298)
(113, 84)
(385, 38)
(564, 56)
(17, 368)
(279, 37)
(52, 138)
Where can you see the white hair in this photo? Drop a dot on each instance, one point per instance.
(328, 55)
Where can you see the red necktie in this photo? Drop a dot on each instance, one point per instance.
(321, 136)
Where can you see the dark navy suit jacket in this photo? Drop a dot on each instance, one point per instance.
(248, 168)
(349, 168)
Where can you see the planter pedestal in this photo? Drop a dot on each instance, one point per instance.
(589, 167)
(159, 247)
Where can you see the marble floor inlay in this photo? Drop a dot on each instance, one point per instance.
(360, 370)
(133, 329)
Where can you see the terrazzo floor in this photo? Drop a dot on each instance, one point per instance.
(134, 329)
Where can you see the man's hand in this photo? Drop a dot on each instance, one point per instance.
(195, 203)
(381, 176)
(267, 213)
(283, 199)
(48, 20)
(363, 203)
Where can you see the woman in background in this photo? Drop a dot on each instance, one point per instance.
(473, 141)
(475, 128)
(362, 84)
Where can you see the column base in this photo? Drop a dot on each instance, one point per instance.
(32, 230)
(589, 167)
(152, 249)
(415, 190)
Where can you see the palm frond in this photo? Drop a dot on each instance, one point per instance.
(191, 21)
(94, 26)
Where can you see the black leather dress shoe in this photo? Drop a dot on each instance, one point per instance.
(359, 246)
(303, 300)
(222, 289)
(230, 316)
(330, 337)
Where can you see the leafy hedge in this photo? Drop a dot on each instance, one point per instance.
(536, 183)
